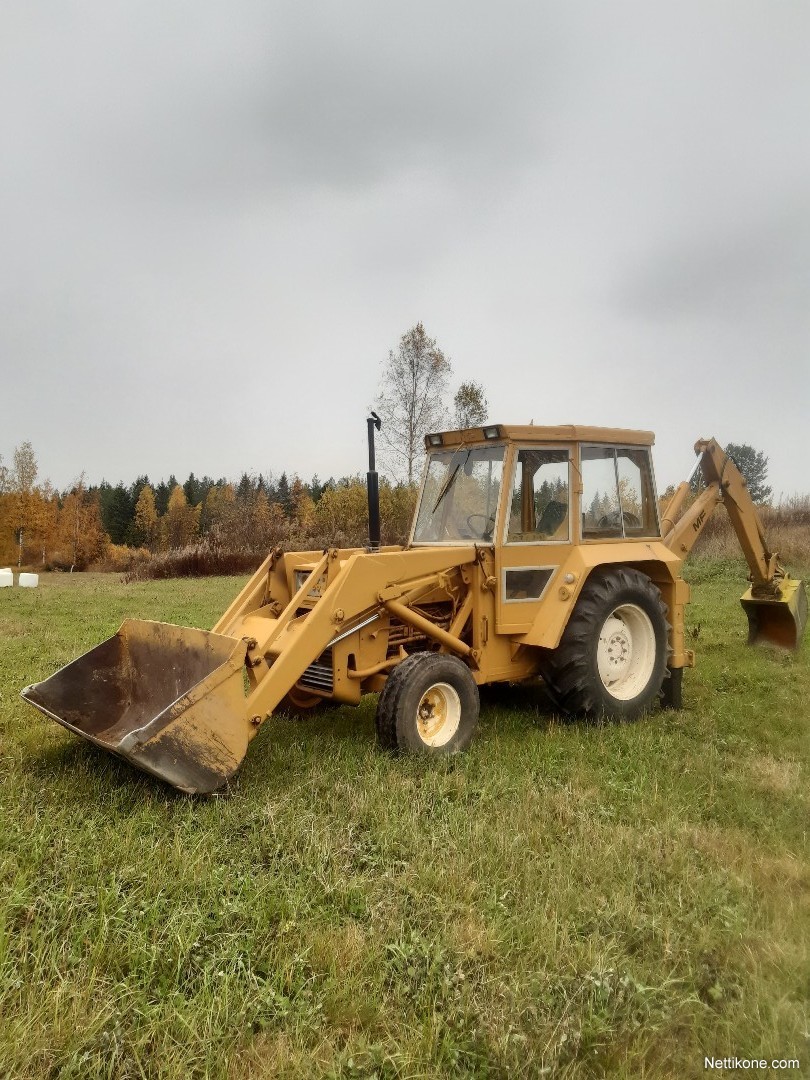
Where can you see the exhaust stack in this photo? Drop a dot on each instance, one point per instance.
(373, 487)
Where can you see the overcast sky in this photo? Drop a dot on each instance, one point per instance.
(217, 219)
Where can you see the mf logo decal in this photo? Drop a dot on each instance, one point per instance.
(699, 520)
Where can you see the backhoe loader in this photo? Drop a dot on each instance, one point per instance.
(534, 551)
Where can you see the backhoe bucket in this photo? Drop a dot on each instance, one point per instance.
(777, 621)
(168, 699)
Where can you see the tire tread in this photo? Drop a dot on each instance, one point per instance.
(567, 667)
(389, 705)
(385, 721)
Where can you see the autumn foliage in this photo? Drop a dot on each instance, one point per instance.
(41, 527)
(168, 529)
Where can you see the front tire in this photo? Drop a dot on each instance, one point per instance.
(429, 705)
(612, 657)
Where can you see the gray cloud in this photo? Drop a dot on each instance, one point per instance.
(211, 213)
(764, 267)
(326, 95)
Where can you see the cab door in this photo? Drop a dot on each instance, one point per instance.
(537, 533)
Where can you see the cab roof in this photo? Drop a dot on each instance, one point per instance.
(530, 433)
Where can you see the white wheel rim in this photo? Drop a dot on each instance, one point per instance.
(625, 655)
(438, 714)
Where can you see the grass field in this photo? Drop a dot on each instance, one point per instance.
(565, 900)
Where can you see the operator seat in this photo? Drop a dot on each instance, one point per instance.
(553, 515)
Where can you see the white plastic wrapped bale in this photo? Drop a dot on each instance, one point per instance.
(28, 581)
(6, 578)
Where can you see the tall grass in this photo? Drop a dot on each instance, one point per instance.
(208, 558)
(197, 560)
(787, 529)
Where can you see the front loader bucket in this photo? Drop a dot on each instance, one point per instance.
(168, 699)
(777, 621)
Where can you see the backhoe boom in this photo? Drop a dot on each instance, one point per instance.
(776, 604)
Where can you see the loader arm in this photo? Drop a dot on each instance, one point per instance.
(359, 587)
(776, 604)
(184, 704)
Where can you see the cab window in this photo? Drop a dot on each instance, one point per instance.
(618, 497)
(538, 510)
(459, 500)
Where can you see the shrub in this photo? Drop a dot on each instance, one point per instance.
(340, 519)
(118, 558)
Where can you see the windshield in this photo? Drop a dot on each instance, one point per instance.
(460, 496)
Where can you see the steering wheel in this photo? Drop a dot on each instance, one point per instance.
(489, 525)
(630, 520)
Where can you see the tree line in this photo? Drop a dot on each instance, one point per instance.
(86, 524)
(77, 527)
(170, 513)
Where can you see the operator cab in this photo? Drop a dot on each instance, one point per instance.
(539, 486)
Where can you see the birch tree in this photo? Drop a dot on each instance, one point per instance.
(23, 477)
(411, 401)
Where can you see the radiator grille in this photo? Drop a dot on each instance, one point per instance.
(320, 675)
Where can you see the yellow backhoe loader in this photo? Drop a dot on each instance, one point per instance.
(534, 551)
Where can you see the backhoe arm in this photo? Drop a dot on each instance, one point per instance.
(718, 468)
(724, 483)
(682, 536)
(776, 604)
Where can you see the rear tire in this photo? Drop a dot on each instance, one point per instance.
(429, 705)
(612, 657)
